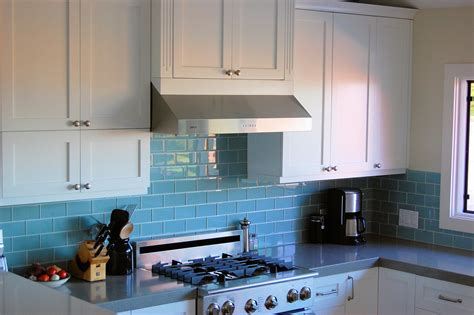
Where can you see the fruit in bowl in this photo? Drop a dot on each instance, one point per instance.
(52, 276)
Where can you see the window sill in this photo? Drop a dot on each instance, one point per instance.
(461, 222)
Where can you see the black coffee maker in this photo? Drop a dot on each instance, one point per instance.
(344, 216)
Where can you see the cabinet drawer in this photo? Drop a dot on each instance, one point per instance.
(444, 297)
(330, 292)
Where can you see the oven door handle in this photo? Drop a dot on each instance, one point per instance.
(300, 311)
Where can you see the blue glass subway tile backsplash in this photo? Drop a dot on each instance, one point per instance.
(199, 184)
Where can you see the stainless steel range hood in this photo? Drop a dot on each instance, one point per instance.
(212, 114)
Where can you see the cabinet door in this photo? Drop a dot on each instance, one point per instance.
(115, 160)
(40, 163)
(39, 64)
(330, 294)
(361, 290)
(202, 38)
(115, 63)
(444, 297)
(390, 94)
(353, 38)
(258, 39)
(306, 153)
(396, 292)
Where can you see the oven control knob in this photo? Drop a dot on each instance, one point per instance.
(228, 308)
(271, 302)
(213, 309)
(251, 306)
(305, 294)
(292, 296)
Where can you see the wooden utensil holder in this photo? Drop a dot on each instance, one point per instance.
(87, 267)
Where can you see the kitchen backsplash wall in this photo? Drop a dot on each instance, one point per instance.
(198, 184)
(417, 191)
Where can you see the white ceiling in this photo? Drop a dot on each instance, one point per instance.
(422, 4)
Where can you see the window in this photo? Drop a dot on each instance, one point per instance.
(457, 169)
(469, 167)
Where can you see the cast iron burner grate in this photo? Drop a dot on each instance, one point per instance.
(220, 269)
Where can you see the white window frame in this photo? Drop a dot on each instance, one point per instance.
(452, 216)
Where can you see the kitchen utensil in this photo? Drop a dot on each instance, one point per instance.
(87, 265)
(244, 225)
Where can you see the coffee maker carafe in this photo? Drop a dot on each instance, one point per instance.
(345, 222)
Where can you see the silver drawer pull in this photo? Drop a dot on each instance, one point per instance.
(444, 298)
(333, 291)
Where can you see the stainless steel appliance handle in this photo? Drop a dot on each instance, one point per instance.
(351, 297)
(333, 291)
(343, 210)
(445, 298)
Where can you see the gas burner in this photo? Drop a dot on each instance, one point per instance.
(213, 269)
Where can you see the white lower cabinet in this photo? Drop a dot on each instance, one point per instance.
(396, 292)
(402, 293)
(349, 293)
(67, 165)
(444, 298)
(187, 307)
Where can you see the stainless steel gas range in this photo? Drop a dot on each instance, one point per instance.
(229, 281)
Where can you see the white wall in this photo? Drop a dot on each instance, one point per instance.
(440, 36)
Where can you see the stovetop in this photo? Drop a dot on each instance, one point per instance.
(220, 269)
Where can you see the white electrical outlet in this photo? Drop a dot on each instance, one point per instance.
(408, 218)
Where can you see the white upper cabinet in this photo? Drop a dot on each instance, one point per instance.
(258, 39)
(202, 38)
(390, 94)
(218, 39)
(115, 160)
(246, 45)
(352, 74)
(70, 64)
(352, 42)
(312, 78)
(115, 63)
(39, 64)
(40, 163)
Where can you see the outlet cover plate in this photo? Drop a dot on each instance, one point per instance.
(408, 218)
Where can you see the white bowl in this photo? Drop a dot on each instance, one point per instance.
(56, 283)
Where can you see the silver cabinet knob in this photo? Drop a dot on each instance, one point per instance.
(305, 293)
(237, 72)
(76, 187)
(228, 308)
(88, 186)
(76, 123)
(334, 168)
(87, 123)
(213, 309)
(378, 165)
(271, 302)
(251, 306)
(228, 73)
(292, 296)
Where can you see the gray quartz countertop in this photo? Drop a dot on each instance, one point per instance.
(432, 261)
(139, 290)
(143, 289)
(20, 296)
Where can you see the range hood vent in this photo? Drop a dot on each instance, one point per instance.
(220, 114)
